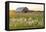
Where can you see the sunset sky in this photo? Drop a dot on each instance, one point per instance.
(35, 7)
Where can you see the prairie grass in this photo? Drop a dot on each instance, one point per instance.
(27, 20)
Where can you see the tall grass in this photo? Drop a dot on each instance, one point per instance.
(30, 20)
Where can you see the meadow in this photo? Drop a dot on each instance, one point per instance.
(27, 20)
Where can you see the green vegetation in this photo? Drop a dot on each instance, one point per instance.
(27, 20)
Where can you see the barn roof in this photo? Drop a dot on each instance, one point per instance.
(20, 8)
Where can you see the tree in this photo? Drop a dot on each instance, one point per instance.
(12, 14)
